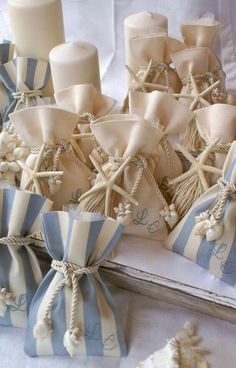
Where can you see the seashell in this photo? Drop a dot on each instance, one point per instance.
(21, 152)
(10, 156)
(215, 231)
(170, 215)
(5, 137)
(4, 166)
(200, 228)
(42, 330)
(13, 166)
(11, 146)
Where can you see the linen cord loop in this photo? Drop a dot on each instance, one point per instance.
(16, 241)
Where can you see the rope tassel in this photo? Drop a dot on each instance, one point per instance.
(209, 223)
(71, 276)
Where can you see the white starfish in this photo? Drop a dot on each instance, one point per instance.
(35, 175)
(109, 184)
(75, 145)
(141, 80)
(198, 166)
(196, 96)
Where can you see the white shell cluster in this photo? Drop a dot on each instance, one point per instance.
(5, 300)
(12, 148)
(170, 215)
(207, 225)
(124, 213)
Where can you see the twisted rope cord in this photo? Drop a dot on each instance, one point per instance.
(228, 189)
(71, 275)
(16, 241)
(221, 147)
(24, 97)
(166, 146)
(60, 147)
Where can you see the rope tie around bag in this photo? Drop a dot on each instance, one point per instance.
(209, 222)
(87, 116)
(71, 274)
(53, 154)
(24, 97)
(221, 147)
(16, 241)
(166, 146)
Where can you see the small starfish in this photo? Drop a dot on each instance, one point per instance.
(141, 81)
(109, 184)
(196, 96)
(35, 175)
(198, 166)
(75, 145)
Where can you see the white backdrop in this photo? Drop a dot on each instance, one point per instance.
(101, 22)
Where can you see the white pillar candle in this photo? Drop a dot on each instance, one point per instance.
(36, 26)
(74, 63)
(140, 25)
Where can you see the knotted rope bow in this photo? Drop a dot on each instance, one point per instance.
(71, 274)
(209, 222)
(23, 98)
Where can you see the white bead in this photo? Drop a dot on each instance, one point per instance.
(13, 166)
(200, 228)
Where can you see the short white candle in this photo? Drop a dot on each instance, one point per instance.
(36, 26)
(140, 25)
(74, 63)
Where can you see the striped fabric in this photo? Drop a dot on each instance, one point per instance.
(19, 269)
(6, 54)
(84, 240)
(24, 74)
(219, 257)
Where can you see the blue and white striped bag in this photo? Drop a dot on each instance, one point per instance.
(207, 233)
(24, 79)
(20, 273)
(73, 311)
(6, 54)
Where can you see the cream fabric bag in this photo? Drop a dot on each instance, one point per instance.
(206, 235)
(217, 121)
(200, 32)
(171, 117)
(20, 273)
(198, 68)
(88, 103)
(157, 49)
(125, 186)
(47, 130)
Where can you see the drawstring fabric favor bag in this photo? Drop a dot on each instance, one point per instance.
(202, 85)
(73, 312)
(88, 103)
(171, 117)
(125, 187)
(206, 235)
(51, 169)
(217, 121)
(25, 79)
(20, 272)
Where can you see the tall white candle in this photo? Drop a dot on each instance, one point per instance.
(36, 26)
(74, 63)
(140, 25)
